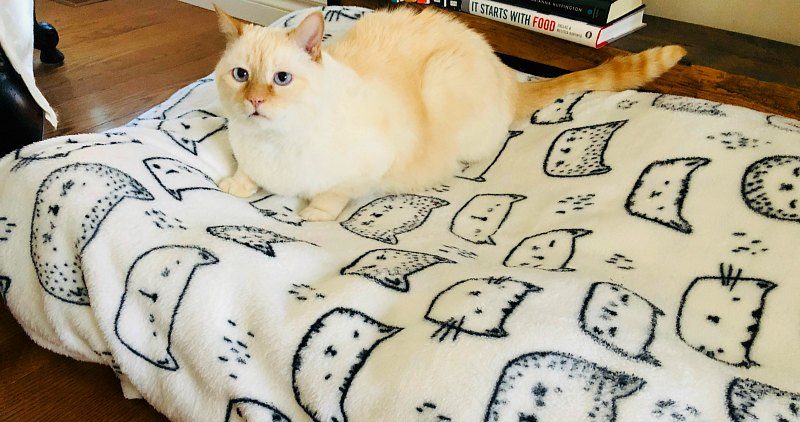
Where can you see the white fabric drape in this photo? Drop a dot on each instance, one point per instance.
(16, 39)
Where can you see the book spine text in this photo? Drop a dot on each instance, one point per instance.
(556, 26)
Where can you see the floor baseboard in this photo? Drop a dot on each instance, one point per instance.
(262, 12)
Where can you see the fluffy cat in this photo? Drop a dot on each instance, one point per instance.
(377, 111)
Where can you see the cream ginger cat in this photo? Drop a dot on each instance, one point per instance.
(377, 111)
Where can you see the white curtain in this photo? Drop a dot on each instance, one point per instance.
(16, 38)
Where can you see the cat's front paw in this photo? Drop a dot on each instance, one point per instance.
(310, 213)
(238, 187)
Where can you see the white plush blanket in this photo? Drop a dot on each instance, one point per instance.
(626, 256)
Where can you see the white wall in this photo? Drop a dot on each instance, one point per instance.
(775, 19)
(262, 12)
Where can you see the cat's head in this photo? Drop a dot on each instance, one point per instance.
(265, 74)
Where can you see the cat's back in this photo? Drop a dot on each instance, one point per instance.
(402, 40)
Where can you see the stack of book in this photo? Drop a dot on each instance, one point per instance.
(594, 23)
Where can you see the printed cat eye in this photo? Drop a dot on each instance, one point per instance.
(282, 78)
(239, 74)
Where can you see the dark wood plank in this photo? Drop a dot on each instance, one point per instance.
(690, 80)
(122, 58)
(739, 54)
(39, 385)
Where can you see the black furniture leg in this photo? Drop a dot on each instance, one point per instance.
(21, 118)
(45, 39)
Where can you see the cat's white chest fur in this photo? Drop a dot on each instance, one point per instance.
(312, 160)
(343, 139)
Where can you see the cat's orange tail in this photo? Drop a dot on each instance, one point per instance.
(617, 74)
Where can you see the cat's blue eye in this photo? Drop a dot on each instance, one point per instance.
(282, 78)
(239, 74)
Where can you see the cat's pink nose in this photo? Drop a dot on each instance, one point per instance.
(256, 101)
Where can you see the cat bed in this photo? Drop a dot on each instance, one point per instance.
(625, 255)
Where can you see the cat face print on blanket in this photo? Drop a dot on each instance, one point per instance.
(392, 267)
(175, 176)
(385, 218)
(156, 284)
(71, 205)
(482, 216)
(476, 172)
(784, 123)
(192, 128)
(688, 105)
(246, 410)
(579, 152)
(34, 152)
(621, 320)
(280, 208)
(560, 111)
(660, 191)
(555, 386)
(478, 306)
(252, 237)
(750, 401)
(771, 187)
(720, 316)
(549, 251)
(329, 357)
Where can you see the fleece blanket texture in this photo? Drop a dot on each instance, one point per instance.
(626, 256)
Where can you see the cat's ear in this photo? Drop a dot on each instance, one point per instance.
(230, 26)
(308, 35)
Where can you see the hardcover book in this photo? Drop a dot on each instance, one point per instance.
(568, 29)
(596, 12)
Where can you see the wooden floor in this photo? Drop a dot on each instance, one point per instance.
(124, 56)
(734, 53)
